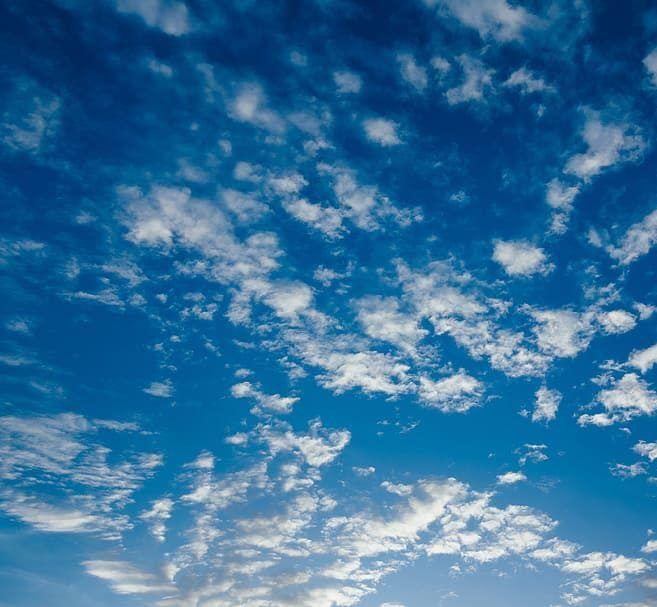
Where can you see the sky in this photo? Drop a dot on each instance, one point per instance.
(328, 303)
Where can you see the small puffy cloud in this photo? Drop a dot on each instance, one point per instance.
(325, 219)
(477, 79)
(250, 105)
(637, 241)
(33, 119)
(521, 258)
(560, 195)
(547, 404)
(527, 82)
(382, 319)
(628, 470)
(454, 394)
(440, 64)
(649, 547)
(364, 471)
(562, 333)
(160, 389)
(245, 207)
(627, 398)
(645, 449)
(608, 144)
(511, 478)
(347, 82)
(616, 321)
(319, 447)
(170, 16)
(382, 131)
(650, 63)
(412, 73)
(491, 18)
(270, 402)
(397, 488)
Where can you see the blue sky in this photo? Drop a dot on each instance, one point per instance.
(325, 303)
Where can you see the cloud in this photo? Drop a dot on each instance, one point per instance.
(250, 105)
(495, 19)
(477, 80)
(628, 471)
(32, 119)
(608, 144)
(160, 389)
(627, 398)
(170, 16)
(615, 322)
(454, 394)
(382, 131)
(639, 239)
(157, 516)
(521, 258)
(511, 478)
(382, 319)
(645, 449)
(644, 360)
(267, 402)
(58, 480)
(649, 547)
(527, 82)
(547, 404)
(412, 73)
(347, 82)
(650, 64)
(124, 578)
(562, 333)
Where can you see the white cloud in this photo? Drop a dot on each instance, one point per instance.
(477, 80)
(527, 82)
(245, 207)
(644, 360)
(364, 471)
(454, 394)
(270, 402)
(608, 144)
(397, 488)
(645, 449)
(382, 131)
(319, 447)
(616, 321)
(327, 220)
(170, 16)
(511, 478)
(627, 398)
(521, 258)
(637, 241)
(160, 389)
(547, 404)
(562, 333)
(412, 73)
(124, 578)
(649, 547)
(33, 119)
(347, 82)
(250, 105)
(650, 63)
(382, 319)
(157, 516)
(491, 18)
(628, 471)
(57, 480)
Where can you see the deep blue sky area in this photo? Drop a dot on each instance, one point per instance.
(328, 303)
